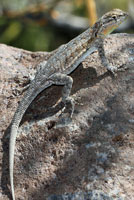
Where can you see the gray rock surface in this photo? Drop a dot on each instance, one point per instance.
(93, 195)
(95, 152)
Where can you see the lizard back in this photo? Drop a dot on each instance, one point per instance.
(65, 60)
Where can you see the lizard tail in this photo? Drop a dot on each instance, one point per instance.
(11, 157)
(22, 107)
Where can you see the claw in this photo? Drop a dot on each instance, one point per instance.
(63, 122)
(115, 69)
(65, 117)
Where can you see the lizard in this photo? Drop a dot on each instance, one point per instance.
(58, 67)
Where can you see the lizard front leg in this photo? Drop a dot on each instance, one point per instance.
(66, 81)
(104, 60)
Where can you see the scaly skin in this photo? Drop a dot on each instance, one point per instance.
(63, 62)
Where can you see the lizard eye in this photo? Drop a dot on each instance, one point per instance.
(114, 17)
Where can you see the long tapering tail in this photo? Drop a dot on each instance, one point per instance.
(11, 156)
(29, 96)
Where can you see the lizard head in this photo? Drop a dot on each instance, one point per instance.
(109, 21)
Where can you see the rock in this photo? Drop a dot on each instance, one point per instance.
(65, 160)
(93, 195)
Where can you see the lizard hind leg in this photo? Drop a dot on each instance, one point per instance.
(66, 81)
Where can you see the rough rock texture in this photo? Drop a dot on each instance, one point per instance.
(95, 152)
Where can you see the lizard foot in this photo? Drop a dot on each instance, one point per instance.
(63, 121)
(115, 69)
(66, 116)
(24, 83)
(122, 68)
(69, 106)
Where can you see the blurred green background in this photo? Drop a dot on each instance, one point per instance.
(43, 25)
